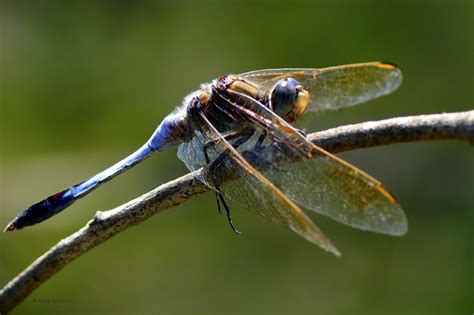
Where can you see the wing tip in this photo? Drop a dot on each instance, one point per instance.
(322, 241)
(328, 246)
(401, 228)
(398, 225)
(387, 65)
(335, 251)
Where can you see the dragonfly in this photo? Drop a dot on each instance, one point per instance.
(240, 127)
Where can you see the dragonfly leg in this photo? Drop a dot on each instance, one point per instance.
(227, 211)
(244, 137)
(228, 137)
(217, 193)
(258, 145)
(219, 197)
(263, 162)
(219, 209)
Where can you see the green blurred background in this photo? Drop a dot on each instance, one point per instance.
(84, 84)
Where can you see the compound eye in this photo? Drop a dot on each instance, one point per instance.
(283, 96)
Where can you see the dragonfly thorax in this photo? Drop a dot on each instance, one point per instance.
(219, 99)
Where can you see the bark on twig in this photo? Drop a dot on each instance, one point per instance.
(106, 224)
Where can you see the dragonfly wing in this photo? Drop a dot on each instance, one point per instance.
(236, 178)
(320, 181)
(335, 87)
(331, 188)
(192, 153)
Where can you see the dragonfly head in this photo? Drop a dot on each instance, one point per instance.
(288, 99)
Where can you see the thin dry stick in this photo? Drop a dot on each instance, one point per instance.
(106, 224)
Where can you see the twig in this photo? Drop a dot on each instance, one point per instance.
(106, 224)
(395, 130)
